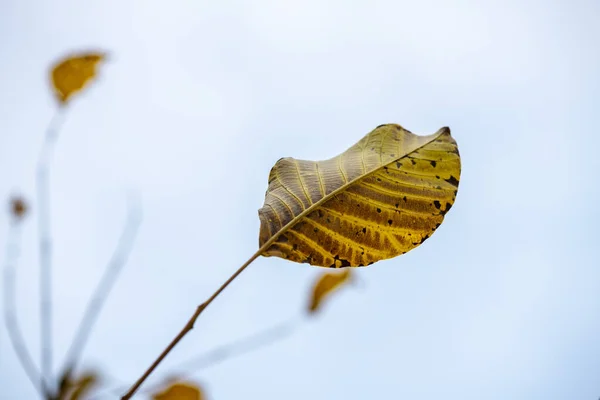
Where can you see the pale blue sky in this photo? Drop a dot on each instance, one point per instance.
(199, 101)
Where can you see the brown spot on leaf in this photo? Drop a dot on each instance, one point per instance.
(344, 263)
(452, 180)
(448, 207)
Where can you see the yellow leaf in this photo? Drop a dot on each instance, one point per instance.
(72, 74)
(379, 199)
(325, 285)
(180, 391)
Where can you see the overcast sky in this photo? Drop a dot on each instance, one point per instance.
(200, 99)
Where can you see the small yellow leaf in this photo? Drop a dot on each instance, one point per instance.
(325, 285)
(72, 74)
(180, 391)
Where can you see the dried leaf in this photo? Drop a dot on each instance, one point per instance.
(18, 207)
(180, 391)
(79, 388)
(325, 285)
(83, 386)
(379, 199)
(72, 74)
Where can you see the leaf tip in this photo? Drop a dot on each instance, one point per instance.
(445, 130)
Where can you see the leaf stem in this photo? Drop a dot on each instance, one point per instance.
(190, 324)
(45, 246)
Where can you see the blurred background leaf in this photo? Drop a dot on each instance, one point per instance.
(325, 285)
(72, 74)
(78, 388)
(180, 391)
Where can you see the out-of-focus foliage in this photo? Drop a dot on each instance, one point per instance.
(72, 74)
(180, 391)
(325, 285)
(79, 388)
(379, 199)
(18, 207)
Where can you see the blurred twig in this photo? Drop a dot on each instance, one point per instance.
(222, 353)
(10, 317)
(45, 246)
(114, 267)
(233, 349)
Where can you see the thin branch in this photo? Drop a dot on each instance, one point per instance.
(94, 307)
(190, 324)
(45, 246)
(10, 317)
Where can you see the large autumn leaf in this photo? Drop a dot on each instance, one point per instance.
(380, 198)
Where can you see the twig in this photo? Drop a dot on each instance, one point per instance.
(45, 247)
(94, 307)
(10, 317)
(190, 324)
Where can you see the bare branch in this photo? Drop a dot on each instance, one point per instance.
(45, 246)
(114, 267)
(10, 317)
